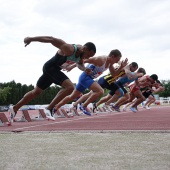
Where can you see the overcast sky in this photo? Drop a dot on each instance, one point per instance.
(140, 29)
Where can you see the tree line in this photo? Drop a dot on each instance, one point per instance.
(12, 92)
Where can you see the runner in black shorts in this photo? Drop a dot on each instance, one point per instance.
(65, 56)
(149, 95)
(110, 81)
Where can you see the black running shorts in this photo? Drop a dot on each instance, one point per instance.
(51, 75)
(104, 84)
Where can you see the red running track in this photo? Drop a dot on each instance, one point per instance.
(157, 118)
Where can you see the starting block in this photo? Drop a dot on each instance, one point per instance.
(42, 114)
(100, 109)
(59, 114)
(105, 110)
(26, 117)
(65, 113)
(74, 111)
(4, 120)
(108, 108)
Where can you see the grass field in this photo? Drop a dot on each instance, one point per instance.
(85, 151)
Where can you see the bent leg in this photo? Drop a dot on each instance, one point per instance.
(140, 98)
(104, 99)
(122, 99)
(151, 101)
(68, 99)
(115, 96)
(68, 88)
(82, 98)
(27, 98)
(97, 92)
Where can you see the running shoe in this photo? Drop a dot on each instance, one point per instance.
(94, 107)
(142, 104)
(108, 108)
(11, 113)
(147, 107)
(49, 113)
(84, 110)
(116, 108)
(133, 109)
(124, 109)
(136, 108)
(73, 108)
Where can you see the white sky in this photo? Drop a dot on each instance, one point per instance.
(140, 29)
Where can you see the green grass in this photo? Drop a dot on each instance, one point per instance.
(85, 151)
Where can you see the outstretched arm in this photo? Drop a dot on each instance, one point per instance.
(67, 49)
(116, 72)
(70, 67)
(159, 89)
(82, 67)
(132, 75)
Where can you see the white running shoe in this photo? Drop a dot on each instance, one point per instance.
(11, 113)
(133, 109)
(70, 114)
(147, 107)
(124, 109)
(49, 115)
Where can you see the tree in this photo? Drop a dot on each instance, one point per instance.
(3, 94)
(166, 92)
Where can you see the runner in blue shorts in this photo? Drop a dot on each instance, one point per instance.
(108, 82)
(98, 66)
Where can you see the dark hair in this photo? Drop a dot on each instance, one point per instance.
(141, 70)
(134, 64)
(116, 53)
(154, 77)
(90, 46)
(158, 81)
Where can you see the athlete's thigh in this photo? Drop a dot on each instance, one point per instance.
(44, 82)
(131, 96)
(113, 87)
(67, 83)
(95, 87)
(75, 93)
(126, 95)
(138, 94)
(83, 84)
(55, 75)
(150, 97)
